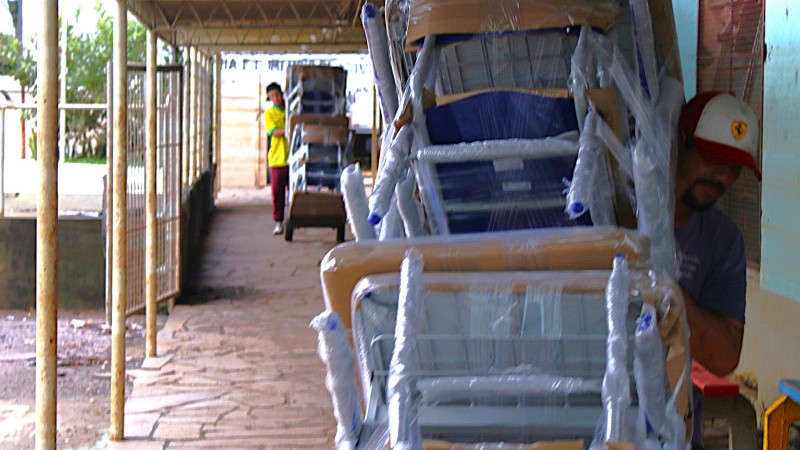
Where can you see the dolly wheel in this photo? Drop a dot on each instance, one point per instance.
(288, 231)
(340, 233)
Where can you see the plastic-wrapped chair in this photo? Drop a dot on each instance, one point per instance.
(577, 248)
(484, 83)
(319, 147)
(318, 155)
(316, 90)
(629, 47)
(516, 358)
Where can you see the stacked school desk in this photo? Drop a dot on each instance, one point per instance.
(319, 142)
(512, 281)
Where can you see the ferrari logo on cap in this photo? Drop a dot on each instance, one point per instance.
(738, 129)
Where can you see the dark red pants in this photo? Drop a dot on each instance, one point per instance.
(279, 178)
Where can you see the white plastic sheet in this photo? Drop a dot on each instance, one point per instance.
(334, 350)
(355, 202)
(405, 431)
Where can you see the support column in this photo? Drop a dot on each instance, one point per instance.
(185, 141)
(192, 114)
(2, 160)
(62, 114)
(151, 263)
(119, 286)
(217, 122)
(375, 146)
(47, 227)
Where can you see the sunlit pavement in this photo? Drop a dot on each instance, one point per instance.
(239, 369)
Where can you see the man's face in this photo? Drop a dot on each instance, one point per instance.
(276, 97)
(701, 183)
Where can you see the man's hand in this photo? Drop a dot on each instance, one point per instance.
(715, 340)
(278, 132)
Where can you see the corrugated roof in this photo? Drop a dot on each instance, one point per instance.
(256, 25)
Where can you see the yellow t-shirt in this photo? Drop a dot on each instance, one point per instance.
(278, 149)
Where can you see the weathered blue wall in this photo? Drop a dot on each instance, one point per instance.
(780, 219)
(81, 266)
(686, 23)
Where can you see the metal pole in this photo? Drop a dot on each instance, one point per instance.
(47, 228)
(186, 144)
(109, 212)
(2, 161)
(260, 122)
(192, 113)
(151, 264)
(62, 127)
(119, 286)
(374, 158)
(218, 123)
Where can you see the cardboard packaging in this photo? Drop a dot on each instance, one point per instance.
(435, 17)
(556, 249)
(324, 134)
(317, 119)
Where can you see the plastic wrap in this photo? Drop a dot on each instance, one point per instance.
(653, 165)
(648, 362)
(590, 186)
(580, 248)
(506, 61)
(442, 389)
(394, 164)
(355, 202)
(405, 431)
(581, 77)
(408, 207)
(397, 12)
(334, 350)
(324, 134)
(494, 344)
(579, 195)
(616, 383)
(421, 79)
(378, 45)
(471, 17)
(316, 90)
(645, 45)
(653, 152)
(391, 227)
(318, 153)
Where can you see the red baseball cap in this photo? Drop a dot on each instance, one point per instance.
(724, 128)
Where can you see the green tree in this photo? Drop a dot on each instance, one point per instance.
(88, 55)
(22, 69)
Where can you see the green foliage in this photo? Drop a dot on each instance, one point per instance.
(88, 56)
(21, 67)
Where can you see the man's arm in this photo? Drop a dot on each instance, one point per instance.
(715, 340)
(277, 132)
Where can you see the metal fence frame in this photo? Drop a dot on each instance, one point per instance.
(170, 85)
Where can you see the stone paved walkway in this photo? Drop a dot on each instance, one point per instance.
(240, 371)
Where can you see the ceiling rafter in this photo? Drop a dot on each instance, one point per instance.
(246, 12)
(262, 12)
(211, 14)
(193, 10)
(252, 24)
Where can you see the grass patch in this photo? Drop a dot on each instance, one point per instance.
(82, 160)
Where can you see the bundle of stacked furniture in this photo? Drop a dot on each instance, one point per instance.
(512, 281)
(319, 146)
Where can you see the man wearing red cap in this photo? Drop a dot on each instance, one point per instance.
(719, 135)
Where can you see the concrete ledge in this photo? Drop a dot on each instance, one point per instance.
(81, 265)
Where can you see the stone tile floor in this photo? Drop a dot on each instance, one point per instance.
(238, 368)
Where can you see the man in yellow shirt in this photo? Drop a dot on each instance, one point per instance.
(277, 159)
